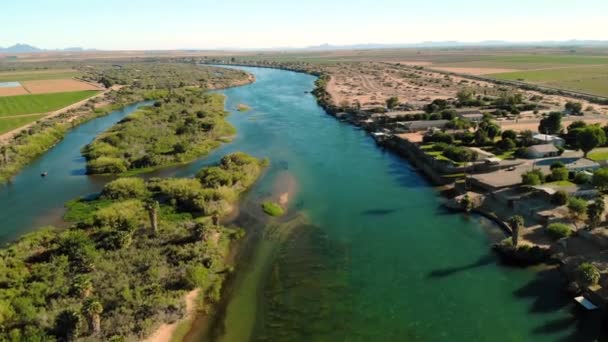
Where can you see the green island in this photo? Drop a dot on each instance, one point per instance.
(132, 253)
(272, 209)
(180, 127)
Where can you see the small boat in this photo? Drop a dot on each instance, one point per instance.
(44, 174)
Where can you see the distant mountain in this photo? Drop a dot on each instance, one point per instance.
(455, 44)
(20, 48)
(26, 48)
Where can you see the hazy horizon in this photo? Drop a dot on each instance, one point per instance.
(238, 24)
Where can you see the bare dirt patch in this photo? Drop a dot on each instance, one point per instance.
(12, 91)
(165, 331)
(58, 86)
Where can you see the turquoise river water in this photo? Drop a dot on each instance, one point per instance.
(375, 259)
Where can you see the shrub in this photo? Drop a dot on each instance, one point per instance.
(459, 154)
(506, 144)
(600, 178)
(533, 177)
(104, 165)
(587, 274)
(438, 137)
(125, 188)
(559, 174)
(272, 209)
(196, 276)
(559, 230)
(560, 197)
(581, 178)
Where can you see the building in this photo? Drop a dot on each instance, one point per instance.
(548, 139)
(542, 151)
(471, 115)
(420, 126)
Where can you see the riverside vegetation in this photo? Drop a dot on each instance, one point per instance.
(128, 259)
(140, 81)
(181, 126)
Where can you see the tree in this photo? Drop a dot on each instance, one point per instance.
(152, 209)
(92, 309)
(589, 138)
(509, 134)
(559, 174)
(577, 208)
(560, 197)
(587, 274)
(595, 212)
(552, 124)
(516, 222)
(533, 177)
(481, 137)
(493, 130)
(392, 102)
(82, 286)
(464, 96)
(575, 108)
(506, 144)
(600, 178)
(68, 324)
(527, 138)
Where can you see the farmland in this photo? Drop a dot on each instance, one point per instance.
(40, 103)
(10, 123)
(31, 75)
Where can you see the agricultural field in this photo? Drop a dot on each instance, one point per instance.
(8, 124)
(587, 79)
(31, 75)
(40, 103)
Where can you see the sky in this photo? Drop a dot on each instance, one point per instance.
(216, 24)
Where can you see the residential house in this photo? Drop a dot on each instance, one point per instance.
(548, 139)
(542, 151)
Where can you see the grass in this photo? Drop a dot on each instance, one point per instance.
(272, 209)
(37, 75)
(9, 124)
(40, 103)
(561, 183)
(587, 79)
(598, 155)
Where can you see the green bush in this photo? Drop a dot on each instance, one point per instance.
(105, 165)
(559, 230)
(560, 197)
(559, 174)
(125, 188)
(587, 274)
(534, 177)
(581, 178)
(272, 209)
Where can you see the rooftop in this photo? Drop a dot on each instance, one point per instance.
(544, 148)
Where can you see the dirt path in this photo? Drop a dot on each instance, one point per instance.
(165, 331)
(10, 134)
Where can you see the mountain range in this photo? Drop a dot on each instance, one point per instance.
(26, 48)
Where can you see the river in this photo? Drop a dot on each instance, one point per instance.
(372, 256)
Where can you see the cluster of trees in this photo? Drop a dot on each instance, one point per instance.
(455, 153)
(559, 172)
(179, 127)
(580, 135)
(125, 264)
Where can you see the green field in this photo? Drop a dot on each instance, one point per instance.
(9, 124)
(588, 79)
(40, 103)
(37, 75)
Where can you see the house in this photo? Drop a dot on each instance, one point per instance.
(548, 139)
(471, 115)
(420, 126)
(542, 151)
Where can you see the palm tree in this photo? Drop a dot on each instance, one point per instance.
(516, 222)
(92, 309)
(82, 286)
(68, 324)
(152, 208)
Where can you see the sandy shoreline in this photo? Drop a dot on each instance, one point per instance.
(165, 331)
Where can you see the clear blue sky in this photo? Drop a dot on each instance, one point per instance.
(153, 24)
